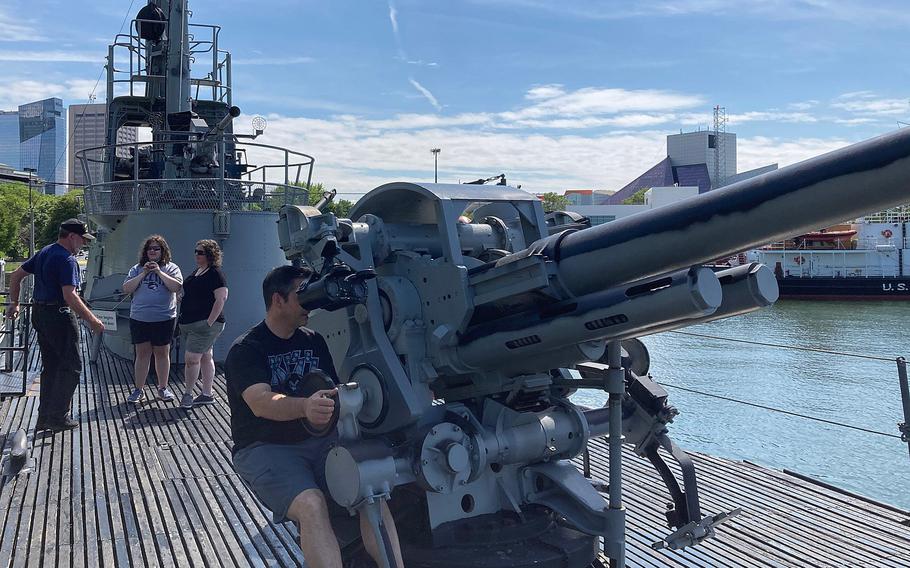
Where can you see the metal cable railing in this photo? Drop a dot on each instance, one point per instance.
(903, 427)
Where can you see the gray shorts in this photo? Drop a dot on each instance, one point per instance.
(278, 473)
(199, 336)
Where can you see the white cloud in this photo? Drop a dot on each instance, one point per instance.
(554, 108)
(356, 157)
(415, 121)
(402, 55)
(15, 28)
(272, 60)
(53, 56)
(772, 116)
(868, 103)
(884, 12)
(759, 151)
(426, 93)
(804, 105)
(422, 63)
(545, 92)
(393, 17)
(854, 121)
(16, 92)
(355, 154)
(620, 121)
(592, 101)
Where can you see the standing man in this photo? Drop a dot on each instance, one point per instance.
(270, 417)
(56, 304)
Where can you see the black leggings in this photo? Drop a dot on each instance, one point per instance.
(58, 340)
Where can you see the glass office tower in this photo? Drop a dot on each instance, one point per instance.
(42, 138)
(9, 138)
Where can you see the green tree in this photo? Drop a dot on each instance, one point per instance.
(49, 210)
(637, 198)
(554, 202)
(341, 207)
(13, 219)
(59, 210)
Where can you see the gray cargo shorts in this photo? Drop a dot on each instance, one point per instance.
(278, 473)
(199, 336)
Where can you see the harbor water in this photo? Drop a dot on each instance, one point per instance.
(849, 390)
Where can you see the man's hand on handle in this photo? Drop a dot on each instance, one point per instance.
(12, 310)
(320, 406)
(96, 326)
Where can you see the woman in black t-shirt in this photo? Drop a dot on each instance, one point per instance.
(202, 320)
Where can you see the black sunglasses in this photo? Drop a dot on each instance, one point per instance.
(154, 248)
(197, 251)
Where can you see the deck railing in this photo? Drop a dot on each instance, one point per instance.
(207, 194)
(147, 175)
(15, 343)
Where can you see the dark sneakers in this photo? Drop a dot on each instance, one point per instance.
(203, 399)
(66, 423)
(135, 397)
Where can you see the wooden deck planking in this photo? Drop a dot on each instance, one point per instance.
(154, 486)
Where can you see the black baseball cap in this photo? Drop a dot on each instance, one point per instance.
(78, 227)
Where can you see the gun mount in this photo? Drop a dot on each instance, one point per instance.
(463, 349)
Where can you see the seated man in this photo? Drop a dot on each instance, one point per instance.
(273, 453)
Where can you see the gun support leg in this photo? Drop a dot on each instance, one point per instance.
(685, 500)
(385, 554)
(615, 541)
(905, 400)
(685, 516)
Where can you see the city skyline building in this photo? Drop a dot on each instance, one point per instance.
(86, 126)
(693, 159)
(9, 138)
(88, 129)
(42, 139)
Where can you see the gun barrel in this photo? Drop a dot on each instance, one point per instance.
(745, 289)
(222, 125)
(844, 184)
(522, 344)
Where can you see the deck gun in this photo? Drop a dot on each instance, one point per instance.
(467, 339)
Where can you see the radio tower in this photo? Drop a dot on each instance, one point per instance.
(720, 131)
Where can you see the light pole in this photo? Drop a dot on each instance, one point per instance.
(435, 152)
(31, 213)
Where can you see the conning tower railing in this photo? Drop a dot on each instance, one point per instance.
(129, 73)
(229, 183)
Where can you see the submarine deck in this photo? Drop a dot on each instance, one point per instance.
(154, 486)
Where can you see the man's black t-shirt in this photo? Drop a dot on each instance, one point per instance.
(260, 356)
(199, 295)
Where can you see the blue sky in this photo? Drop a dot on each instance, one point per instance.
(557, 95)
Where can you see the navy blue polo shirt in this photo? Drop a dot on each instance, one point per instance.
(53, 267)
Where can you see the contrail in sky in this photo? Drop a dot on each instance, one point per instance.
(426, 93)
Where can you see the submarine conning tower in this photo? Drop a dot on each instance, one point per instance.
(172, 165)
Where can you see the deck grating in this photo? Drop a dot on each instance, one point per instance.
(153, 486)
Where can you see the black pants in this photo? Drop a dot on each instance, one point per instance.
(58, 340)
